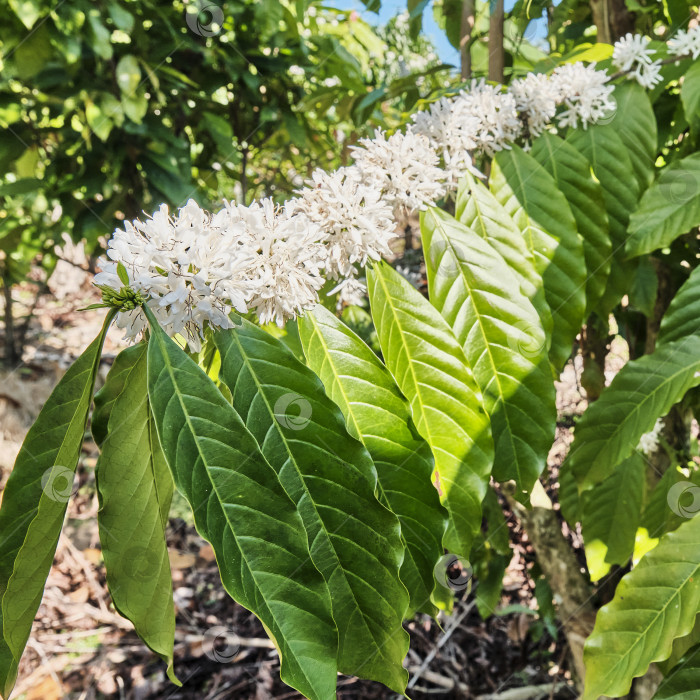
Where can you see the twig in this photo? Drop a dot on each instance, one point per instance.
(455, 622)
(437, 679)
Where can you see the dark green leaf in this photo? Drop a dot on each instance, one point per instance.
(377, 413)
(135, 489)
(354, 540)
(641, 392)
(530, 196)
(240, 507)
(572, 173)
(668, 209)
(34, 503)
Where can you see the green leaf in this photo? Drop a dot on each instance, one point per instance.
(611, 163)
(478, 209)
(35, 500)
(653, 605)
(683, 681)
(431, 371)
(500, 332)
(690, 94)
(682, 318)
(657, 517)
(123, 274)
(668, 209)
(354, 540)
(135, 489)
(572, 173)
(641, 392)
(128, 74)
(377, 414)
(611, 514)
(530, 196)
(635, 124)
(645, 286)
(240, 507)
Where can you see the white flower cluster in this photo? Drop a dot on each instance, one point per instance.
(633, 55)
(194, 269)
(649, 442)
(686, 43)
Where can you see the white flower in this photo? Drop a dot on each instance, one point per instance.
(584, 92)
(686, 43)
(649, 442)
(536, 98)
(284, 276)
(351, 292)
(403, 167)
(451, 129)
(356, 224)
(648, 74)
(182, 266)
(497, 124)
(630, 51)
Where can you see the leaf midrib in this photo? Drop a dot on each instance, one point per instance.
(166, 362)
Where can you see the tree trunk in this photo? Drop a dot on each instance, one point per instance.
(465, 37)
(612, 19)
(595, 344)
(571, 591)
(496, 52)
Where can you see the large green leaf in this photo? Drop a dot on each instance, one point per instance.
(612, 165)
(641, 392)
(429, 366)
(502, 337)
(682, 318)
(530, 196)
(668, 209)
(611, 513)
(653, 605)
(683, 680)
(135, 489)
(572, 173)
(377, 413)
(34, 503)
(478, 209)
(690, 94)
(635, 124)
(240, 507)
(354, 540)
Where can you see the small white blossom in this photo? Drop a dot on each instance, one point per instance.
(403, 167)
(584, 93)
(451, 129)
(284, 276)
(630, 51)
(356, 224)
(496, 113)
(649, 442)
(686, 43)
(536, 98)
(183, 267)
(648, 74)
